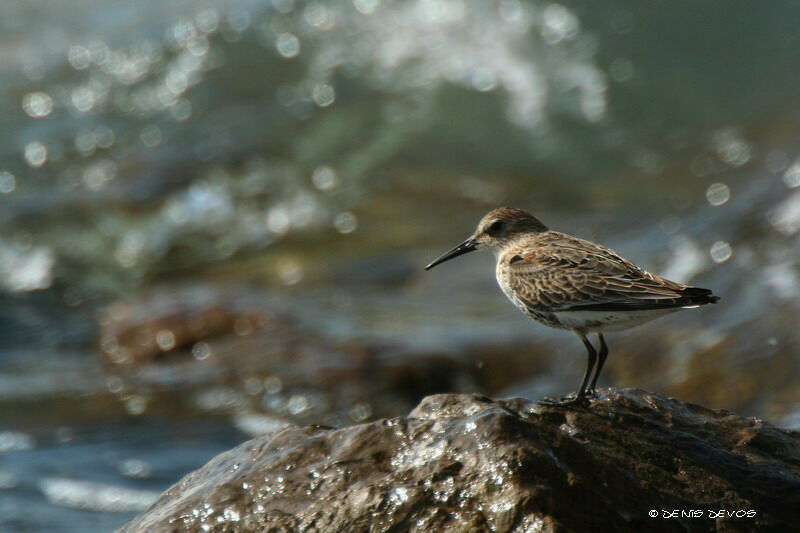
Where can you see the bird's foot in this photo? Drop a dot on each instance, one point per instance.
(566, 402)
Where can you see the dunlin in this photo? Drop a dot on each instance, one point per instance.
(573, 284)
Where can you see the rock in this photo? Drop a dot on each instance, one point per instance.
(462, 463)
(184, 348)
(173, 320)
(232, 350)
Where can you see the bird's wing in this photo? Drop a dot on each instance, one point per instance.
(578, 275)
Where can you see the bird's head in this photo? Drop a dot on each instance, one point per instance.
(496, 229)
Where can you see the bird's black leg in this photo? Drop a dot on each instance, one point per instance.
(600, 362)
(581, 396)
(589, 366)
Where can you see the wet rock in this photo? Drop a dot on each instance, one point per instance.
(470, 463)
(230, 350)
(170, 320)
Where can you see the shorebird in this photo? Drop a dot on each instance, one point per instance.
(570, 283)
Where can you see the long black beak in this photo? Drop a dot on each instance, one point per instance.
(466, 246)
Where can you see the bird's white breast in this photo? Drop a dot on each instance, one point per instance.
(501, 280)
(589, 321)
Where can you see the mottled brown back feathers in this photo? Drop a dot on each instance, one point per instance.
(556, 272)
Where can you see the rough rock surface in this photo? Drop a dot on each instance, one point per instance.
(470, 463)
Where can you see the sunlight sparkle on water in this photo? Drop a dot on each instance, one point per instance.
(718, 193)
(201, 350)
(399, 495)
(7, 182)
(277, 220)
(208, 20)
(786, 216)
(37, 104)
(721, 251)
(792, 175)
(97, 174)
(80, 494)
(165, 340)
(83, 99)
(135, 404)
(79, 57)
(319, 16)
(290, 271)
(323, 95)
(324, 178)
(731, 148)
(287, 45)
(14, 441)
(345, 222)
(35, 153)
(559, 24)
(135, 468)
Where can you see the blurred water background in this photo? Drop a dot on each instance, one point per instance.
(214, 217)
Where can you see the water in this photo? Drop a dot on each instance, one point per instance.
(320, 154)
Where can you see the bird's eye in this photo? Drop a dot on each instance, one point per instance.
(496, 226)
